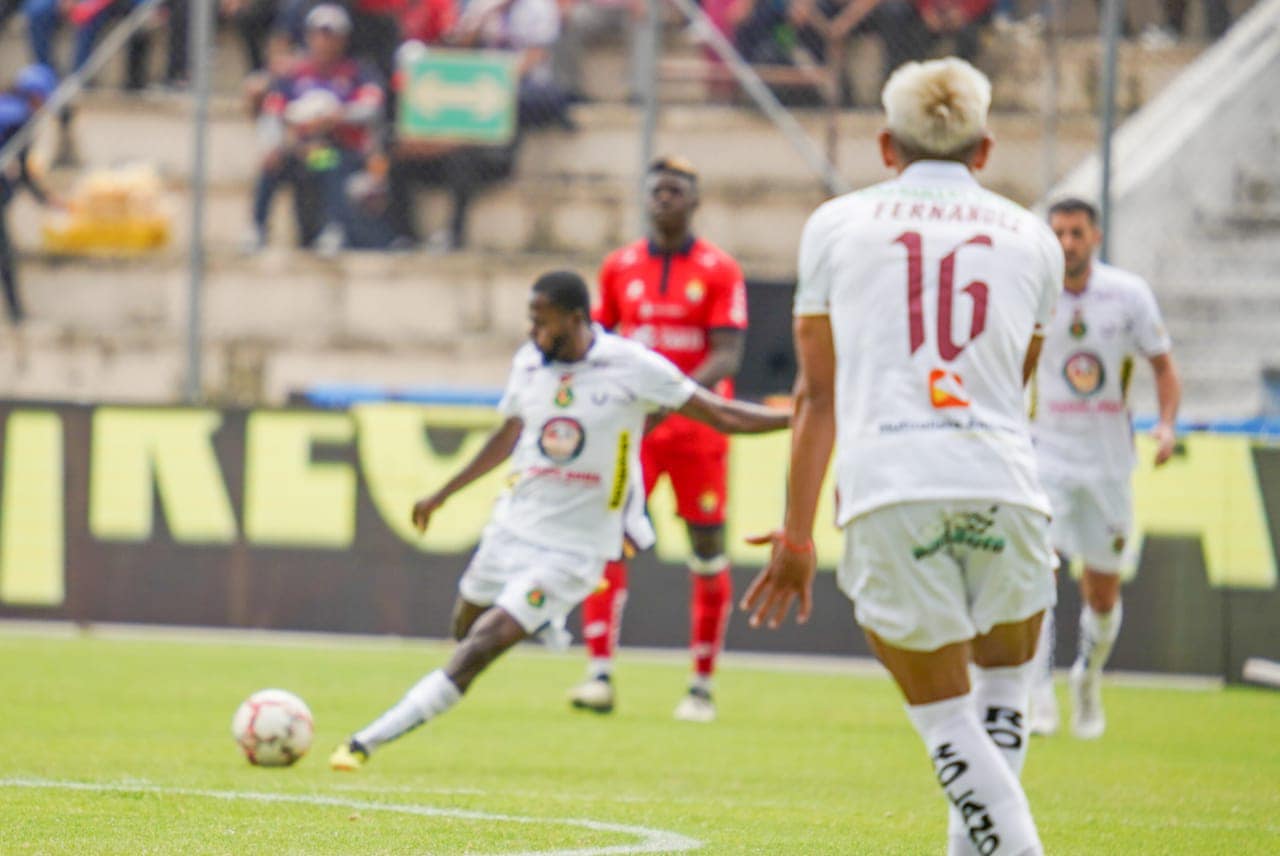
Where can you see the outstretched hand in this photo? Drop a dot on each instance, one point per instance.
(424, 508)
(788, 575)
(1166, 441)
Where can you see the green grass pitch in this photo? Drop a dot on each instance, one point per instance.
(121, 745)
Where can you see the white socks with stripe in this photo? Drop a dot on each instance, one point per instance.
(1098, 632)
(976, 780)
(425, 700)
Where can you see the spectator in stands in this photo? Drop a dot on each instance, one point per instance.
(589, 21)
(90, 17)
(1217, 20)
(252, 20)
(462, 170)
(375, 29)
(318, 125)
(530, 28)
(31, 88)
(428, 21)
(960, 20)
(822, 24)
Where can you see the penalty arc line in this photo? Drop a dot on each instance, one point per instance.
(651, 840)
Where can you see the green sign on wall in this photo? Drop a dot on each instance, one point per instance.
(459, 95)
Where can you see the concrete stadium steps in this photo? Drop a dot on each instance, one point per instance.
(273, 324)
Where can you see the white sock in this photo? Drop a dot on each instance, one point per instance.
(702, 683)
(975, 779)
(1001, 698)
(1042, 679)
(1098, 634)
(425, 700)
(600, 667)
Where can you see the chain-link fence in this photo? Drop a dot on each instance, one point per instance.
(513, 126)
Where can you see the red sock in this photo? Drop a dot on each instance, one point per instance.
(709, 610)
(602, 612)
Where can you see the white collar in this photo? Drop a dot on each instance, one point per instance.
(931, 171)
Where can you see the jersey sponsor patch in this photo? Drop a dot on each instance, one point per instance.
(1084, 373)
(561, 439)
(946, 389)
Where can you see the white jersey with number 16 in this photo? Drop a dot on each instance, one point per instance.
(934, 286)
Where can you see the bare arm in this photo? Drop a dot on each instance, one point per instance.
(1169, 396)
(1032, 359)
(789, 573)
(723, 359)
(495, 450)
(733, 417)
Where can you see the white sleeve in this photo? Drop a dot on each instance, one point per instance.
(813, 290)
(1051, 279)
(1149, 333)
(657, 382)
(510, 404)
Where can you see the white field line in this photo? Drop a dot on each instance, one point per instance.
(651, 840)
(819, 664)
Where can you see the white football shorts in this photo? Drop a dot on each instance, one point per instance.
(537, 585)
(1092, 521)
(926, 574)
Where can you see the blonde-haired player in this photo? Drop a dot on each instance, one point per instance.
(917, 320)
(1084, 442)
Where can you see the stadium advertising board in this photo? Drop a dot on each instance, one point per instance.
(299, 519)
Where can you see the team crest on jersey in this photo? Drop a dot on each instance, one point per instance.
(1084, 373)
(536, 597)
(709, 501)
(695, 291)
(561, 439)
(946, 389)
(1078, 328)
(564, 392)
(635, 289)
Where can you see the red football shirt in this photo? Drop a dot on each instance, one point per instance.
(671, 301)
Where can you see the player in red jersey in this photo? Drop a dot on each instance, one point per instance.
(684, 297)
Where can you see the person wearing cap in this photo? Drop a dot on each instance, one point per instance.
(919, 318)
(685, 298)
(318, 127)
(31, 88)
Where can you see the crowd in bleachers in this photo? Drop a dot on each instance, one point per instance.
(325, 81)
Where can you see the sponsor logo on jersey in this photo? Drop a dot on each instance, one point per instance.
(694, 291)
(946, 389)
(1078, 328)
(536, 597)
(1117, 544)
(1084, 373)
(561, 439)
(564, 392)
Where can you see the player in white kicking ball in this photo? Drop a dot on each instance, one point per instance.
(573, 413)
(1084, 445)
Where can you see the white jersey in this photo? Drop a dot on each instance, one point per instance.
(583, 423)
(1081, 419)
(934, 287)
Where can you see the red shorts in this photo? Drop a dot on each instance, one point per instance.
(695, 458)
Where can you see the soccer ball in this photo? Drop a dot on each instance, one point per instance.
(273, 727)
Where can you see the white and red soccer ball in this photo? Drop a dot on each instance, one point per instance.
(273, 727)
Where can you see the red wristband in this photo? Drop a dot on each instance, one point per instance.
(788, 544)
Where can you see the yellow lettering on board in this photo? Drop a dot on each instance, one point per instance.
(400, 466)
(289, 499)
(136, 450)
(1211, 492)
(32, 535)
